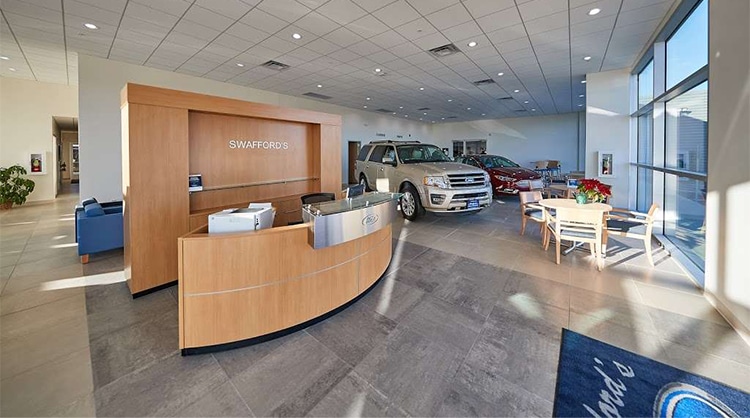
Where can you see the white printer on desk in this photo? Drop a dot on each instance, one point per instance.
(256, 216)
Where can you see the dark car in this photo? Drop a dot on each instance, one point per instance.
(506, 176)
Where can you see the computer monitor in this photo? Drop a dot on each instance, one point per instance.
(195, 183)
(354, 191)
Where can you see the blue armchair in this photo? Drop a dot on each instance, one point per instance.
(98, 227)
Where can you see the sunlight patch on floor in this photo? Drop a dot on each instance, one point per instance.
(83, 281)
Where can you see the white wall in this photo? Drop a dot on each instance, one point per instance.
(523, 140)
(728, 200)
(100, 82)
(26, 111)
(608, 128)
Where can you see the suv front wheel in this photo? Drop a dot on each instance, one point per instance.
(363, 181)
(411, 207)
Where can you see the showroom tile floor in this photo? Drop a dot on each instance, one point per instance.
(466, 322)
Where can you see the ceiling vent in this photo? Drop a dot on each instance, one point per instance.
(381, 110)
(505, 98)
(423, 109)
(275, 65)
(451, 117)
(484, 82)
(444, 51)
(520, 110)
(316, 95)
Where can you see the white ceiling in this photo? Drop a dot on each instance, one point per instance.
(539, 45)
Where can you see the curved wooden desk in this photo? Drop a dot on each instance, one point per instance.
(237, 289)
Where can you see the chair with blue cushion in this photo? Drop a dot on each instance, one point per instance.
(99, 227)
(631, 224)
(530, 210)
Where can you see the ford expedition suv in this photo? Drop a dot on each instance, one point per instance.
(428, 179)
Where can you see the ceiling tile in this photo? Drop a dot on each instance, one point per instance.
(480, 8)
(287, 10)
(342, 11)
(426, 7)
(233, 9)
(499, 20)
(322, 46)
(205, 17)
(449, 17)
(396, 14)
(372, 5)
(317, 23)
(175, 8)
(368, 26)
(261, 20)
(343, 37)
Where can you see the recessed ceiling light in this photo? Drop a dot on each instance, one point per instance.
(239, 64)
(90, 25)
(580, 105)
(3, 57)
(320, 86)
(421, 88)
(420, 118)
(424, 113)
(406, 116)
(365, 107)
(400, 107)
(468, 108)
(377, 70)
(583, 81)
(433, 121)
(472, 44)
(516, 91)
(12, 69)
(367, 98)
(525, 101)
(581, 95)
(484, 114)
(450, 100)
(533, 110)
(296, 36)
(501, 74)
(587, 58)
(442, 118)
(594, 11)
(394, 113)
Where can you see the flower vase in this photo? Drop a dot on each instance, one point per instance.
(581, 199)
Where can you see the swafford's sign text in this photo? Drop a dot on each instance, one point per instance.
(240, 144)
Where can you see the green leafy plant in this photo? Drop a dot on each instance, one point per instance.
(14, 189)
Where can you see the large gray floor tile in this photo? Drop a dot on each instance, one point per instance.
(611, 309)
(224, 401)
(352, 333)
(43, 317)
(164, 388)
(127, 349)
(354, 397)
(392, 298)
(20, 281)
(237, 360)
(545, 291)
(411, 370)
(445, 323)
(46, 389)
(105, 319)
(16, 302)
(292, 379)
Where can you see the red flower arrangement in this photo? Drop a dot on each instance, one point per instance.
(594, 190)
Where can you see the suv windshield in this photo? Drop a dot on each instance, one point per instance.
(495, 161)
(421, 154)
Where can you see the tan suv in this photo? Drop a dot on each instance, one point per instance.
(428, 179)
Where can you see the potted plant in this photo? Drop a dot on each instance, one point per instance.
(592, 190)
(13, 187)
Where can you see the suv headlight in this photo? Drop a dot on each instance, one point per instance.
(486, 179)
(505, 178)
(437, 181)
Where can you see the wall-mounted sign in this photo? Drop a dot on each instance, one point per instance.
(240, 144)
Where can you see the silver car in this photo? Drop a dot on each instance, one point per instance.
(428, 179)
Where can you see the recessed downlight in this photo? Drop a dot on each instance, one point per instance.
(12, 69)
(516, 91)
(581, 95)
(587, 58)
(533, 110)
(424, 113)
(484, 114)
(595, 11)
(365, 107)
(580, 105)
(450, 100)
(472, 44)
(239, 64)
(526, 101)
(400, 107)
(442, 118)
(421, 88)
(468, 108)
(501, 74)
(377, 70)
(90, 26)
(583, 81)
(296, 36)
(4, 58)
(320, 86)
(367, 98)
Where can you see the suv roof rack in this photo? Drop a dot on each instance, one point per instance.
(388, 141)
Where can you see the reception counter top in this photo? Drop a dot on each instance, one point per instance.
(241, 288)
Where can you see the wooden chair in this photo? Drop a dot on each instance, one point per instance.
(631, 224)
(530, 210)
(577, 226)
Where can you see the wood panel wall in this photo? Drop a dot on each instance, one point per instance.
(167, 134)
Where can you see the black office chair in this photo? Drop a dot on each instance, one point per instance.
(318, 197)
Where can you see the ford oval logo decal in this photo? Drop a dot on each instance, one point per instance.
(469, 180)
(370, 219)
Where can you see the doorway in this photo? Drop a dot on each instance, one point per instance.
(352, 153)
(66, 132)
(469, 147)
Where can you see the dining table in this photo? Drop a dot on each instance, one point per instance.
(603, 208)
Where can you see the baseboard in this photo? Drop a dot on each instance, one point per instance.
(730, 317)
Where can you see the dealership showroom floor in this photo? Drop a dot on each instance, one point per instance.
(467, 321)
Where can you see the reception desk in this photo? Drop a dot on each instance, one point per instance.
(241, 288)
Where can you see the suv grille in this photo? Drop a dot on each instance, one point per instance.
(458, 181)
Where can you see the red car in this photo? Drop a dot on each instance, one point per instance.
(506, 176)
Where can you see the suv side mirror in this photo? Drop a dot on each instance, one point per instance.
(389, 161)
